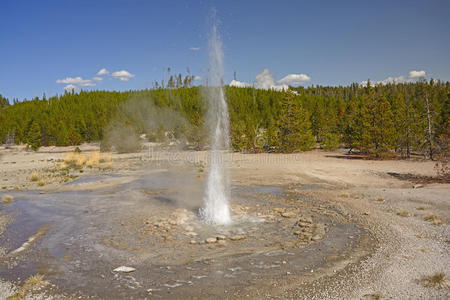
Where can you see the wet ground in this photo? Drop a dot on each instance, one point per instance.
(280, 236)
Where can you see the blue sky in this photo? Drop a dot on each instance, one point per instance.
(331, 42)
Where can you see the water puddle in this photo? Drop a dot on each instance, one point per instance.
(92, 232)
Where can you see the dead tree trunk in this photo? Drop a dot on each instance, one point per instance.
(430, 132)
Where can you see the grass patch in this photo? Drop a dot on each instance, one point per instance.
(403, 213)
(35, 176)
(41, 183)
(380, 199)
(433, 219)
(32, 284)
(375, 296)
(76, 160)
(436, 280)
(420, 208)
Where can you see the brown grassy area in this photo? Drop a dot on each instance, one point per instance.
(403, 213)
(76, 160)
(437, 280)
(33, 284)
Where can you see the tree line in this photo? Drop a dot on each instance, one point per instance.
(402, 119)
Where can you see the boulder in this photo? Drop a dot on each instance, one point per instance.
(124, 269)
(237, 237)
(211, 240)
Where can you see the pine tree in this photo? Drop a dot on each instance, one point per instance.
(273, 136)
(34, 136)
(354, 125)
(4, 102)
(378, 128)
(408, 133)
(295, 127)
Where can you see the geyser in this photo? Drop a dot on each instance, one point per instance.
(217, 191)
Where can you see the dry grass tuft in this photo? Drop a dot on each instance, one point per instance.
(403, 213)
(380, 199)
(375, 296)
(32, 284)
(437, 280)
(93, 160)
(433, 219)
(35, 176)
(76, 160)
(420, 208)
(344, 195)
(7, 199)
(41, 183)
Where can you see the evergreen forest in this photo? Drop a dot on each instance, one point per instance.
(394, 119)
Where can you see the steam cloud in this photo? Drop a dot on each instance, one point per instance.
(265, 80)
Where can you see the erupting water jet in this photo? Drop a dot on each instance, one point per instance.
(217, 191)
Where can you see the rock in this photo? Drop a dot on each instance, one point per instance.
(222, 242)
(124, 269)
(159, 225)
(189, 228)
(305, 236)
(173, 222)
(298, 232)
(320, 229)
(307, 219)
(366, 213)
(288, 214)
(279, 210)
(237, 237)
(316, 237)
(191, 233)
(304, 224)
(211, 240)
(417, 186)
(193, 242)
(221, 237)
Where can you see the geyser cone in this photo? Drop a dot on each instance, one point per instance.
(217, 190)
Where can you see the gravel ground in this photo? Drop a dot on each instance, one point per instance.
(408, 247)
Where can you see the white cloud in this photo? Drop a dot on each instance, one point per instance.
(122, 75)
(417, 74)
(294, 79)
(70, 87)
(102, 72)
(239, 84)
(412, 76)
(194, 48)
(76, 81)
(73, 83)
(197, 78)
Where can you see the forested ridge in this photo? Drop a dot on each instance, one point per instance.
(394, 118)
